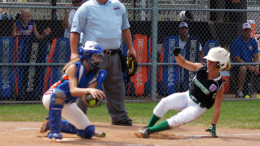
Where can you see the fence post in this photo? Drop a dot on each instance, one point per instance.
(154, 49)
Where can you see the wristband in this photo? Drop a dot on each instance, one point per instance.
(177, 51)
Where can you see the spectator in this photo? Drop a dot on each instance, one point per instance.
(25, 28)
(4, 14)
(69, 14)
(105, 21)
(191, 51)
(244, 49)
(184, 37)
(24, 33)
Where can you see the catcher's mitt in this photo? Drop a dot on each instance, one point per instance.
(131, 66)
(90, 101)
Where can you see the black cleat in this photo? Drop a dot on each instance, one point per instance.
(127, 122)
(145, 132)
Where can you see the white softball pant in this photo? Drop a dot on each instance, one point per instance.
(70, 112)
(179, 102)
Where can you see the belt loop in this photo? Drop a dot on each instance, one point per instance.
(108, 53)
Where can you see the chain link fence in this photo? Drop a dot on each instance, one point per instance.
(29, 66)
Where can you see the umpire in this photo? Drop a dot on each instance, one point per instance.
(105, 21)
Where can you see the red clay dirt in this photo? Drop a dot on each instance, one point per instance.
(27, 133)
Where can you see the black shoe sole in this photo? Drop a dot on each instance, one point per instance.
(122, 124)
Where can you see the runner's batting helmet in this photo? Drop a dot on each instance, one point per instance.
(220, 55)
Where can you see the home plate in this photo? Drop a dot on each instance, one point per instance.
(70, 139)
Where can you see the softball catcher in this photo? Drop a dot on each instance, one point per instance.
(79, 79)
(206, 89)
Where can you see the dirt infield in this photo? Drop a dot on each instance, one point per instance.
(27, 133)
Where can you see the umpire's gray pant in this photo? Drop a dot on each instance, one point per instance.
(114, 87)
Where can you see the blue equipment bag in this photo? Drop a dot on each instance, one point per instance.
(32, 81)
(7, 73)
(169, 74)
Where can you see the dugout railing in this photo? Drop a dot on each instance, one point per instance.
(153, 34)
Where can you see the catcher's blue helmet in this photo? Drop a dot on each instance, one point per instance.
(89, 52)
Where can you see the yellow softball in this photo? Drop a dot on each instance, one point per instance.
(92, 102)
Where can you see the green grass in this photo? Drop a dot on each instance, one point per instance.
(234, 114)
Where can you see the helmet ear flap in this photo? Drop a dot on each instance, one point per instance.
(218, 65)
(221, 65)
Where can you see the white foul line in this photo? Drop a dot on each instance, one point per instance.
(241, 134)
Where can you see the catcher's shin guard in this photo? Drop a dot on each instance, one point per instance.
(55, 114)
(88, 132)
(55, 119)
(67, 127)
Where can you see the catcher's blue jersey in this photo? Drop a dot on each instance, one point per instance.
(84, 79)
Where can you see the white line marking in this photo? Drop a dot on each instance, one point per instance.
(241, 134)
(191, 137)
(21, 129)
(27, 128)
